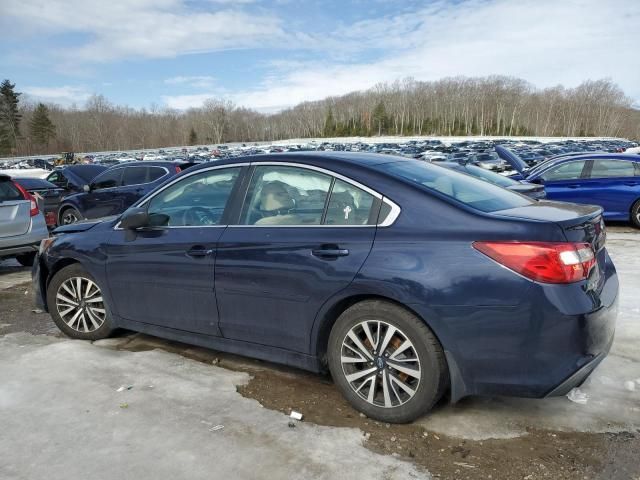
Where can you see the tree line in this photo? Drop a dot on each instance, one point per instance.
(494, 105)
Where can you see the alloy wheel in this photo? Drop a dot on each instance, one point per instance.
(80, 304)
(380, 363)
(69, 217)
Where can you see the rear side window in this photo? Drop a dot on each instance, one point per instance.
(108, 179)
(9, 192)
(473, 192)
(134, 176)
(348, 205)
(155, 173)
(286, 196)
(612, 168)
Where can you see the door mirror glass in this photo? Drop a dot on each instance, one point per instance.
(135, 218)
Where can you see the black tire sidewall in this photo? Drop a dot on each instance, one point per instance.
(76, 270)
(431, 381)
(635, 209)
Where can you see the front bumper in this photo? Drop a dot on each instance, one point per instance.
(38, 282)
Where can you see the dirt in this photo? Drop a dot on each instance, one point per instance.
(538, 455)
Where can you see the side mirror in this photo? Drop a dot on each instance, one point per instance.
(134, 218)
(86, 188)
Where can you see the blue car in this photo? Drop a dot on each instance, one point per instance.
(610, 180)
(72, 178)
(404, 279)
(115, 189)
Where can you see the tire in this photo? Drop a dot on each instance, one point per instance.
(429, 377)
(635, 214)
(83, 316)
(26, 259)
(69, 216)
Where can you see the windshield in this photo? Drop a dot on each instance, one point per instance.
(475, 193)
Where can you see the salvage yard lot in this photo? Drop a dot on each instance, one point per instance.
(59, 398)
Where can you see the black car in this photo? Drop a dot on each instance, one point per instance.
(46, 194)
(73, 178)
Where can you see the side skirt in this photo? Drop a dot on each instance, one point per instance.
(238, 347)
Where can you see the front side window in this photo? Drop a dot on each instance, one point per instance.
(109, 179)
(285, 196)
(612, 168)
(155, 173)
(197, 200)
(566, 171)
(348, 205)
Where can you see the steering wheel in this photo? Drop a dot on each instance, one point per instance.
(198, 216)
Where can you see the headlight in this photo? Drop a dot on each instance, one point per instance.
(45, 244)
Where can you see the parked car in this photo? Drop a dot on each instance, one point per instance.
(116, 189)
(523, 187)
(22, 225)
(73, 178)
(609, 180)
(46, 194)
(404, 279)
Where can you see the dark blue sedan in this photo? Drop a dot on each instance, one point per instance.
(610, 180)
(115, 189)
(404, 279)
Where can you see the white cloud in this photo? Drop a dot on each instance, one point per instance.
(65, 95)
(543, 41)
(184, 102)
(118, 29)
(197, 81)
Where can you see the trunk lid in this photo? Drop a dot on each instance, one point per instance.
(512, 159)
(15, 218)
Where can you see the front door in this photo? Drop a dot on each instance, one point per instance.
(302, 237)
(565, 182)
(103, 199)
(164, 275)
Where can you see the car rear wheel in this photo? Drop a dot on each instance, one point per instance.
(635, 214)
(386, 362)
(26, 259)
(69, 215)
(77, 305)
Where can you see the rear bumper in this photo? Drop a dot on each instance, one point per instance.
(544, 347)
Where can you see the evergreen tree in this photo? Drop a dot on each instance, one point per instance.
(380, 117)
(329, 124)
(193, 137)
(9, 117)
(42, 129)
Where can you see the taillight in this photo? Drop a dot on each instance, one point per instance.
(27, 196)
(542, 261)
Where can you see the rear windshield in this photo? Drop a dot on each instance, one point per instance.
(9, 192)
(473, 192)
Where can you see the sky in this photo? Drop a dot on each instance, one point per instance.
(272, 54)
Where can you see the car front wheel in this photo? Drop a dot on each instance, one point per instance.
(635, 214)
(77, 304)
(386, 362)
(69, 215)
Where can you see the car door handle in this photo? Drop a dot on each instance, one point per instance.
(330, 252)
(573, 186)
(199, 252)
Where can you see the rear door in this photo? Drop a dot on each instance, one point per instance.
(614, 185)
(15, 218)
(302, 236)
(566, 182)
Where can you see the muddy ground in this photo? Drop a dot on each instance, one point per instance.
(539, 454)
